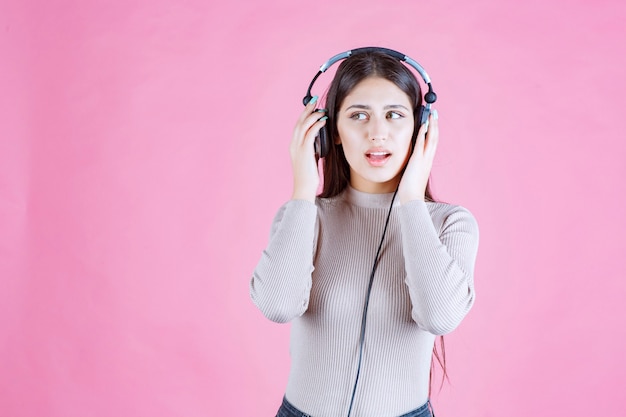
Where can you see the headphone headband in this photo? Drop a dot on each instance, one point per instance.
(430, 96)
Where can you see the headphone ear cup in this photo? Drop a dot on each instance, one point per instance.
(424, 113)
(422, 116)
(321, 143)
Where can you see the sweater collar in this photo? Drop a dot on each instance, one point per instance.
(369, 200)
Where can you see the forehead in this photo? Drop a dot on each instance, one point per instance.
(374, 91)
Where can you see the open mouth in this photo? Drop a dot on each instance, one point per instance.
(377, 158)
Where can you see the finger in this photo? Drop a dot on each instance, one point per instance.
(307, 120)
(305, 138)
(304, 135)
(308, 109)
(312, 118)
(313, 131)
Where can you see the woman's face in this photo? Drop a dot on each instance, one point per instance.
(375, 125)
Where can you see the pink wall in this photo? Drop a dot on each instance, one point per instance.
(143, 154)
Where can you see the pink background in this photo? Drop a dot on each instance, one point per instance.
(144, 152)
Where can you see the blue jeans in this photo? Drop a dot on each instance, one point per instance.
(288, 410)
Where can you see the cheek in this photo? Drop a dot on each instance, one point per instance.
(350, 150)
(406, 146)
(340, 134)
(347, 137)
(350, 146)
(407, 133)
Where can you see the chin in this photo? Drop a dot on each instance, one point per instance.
(390, 175)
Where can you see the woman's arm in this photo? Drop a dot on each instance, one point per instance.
(281, 282)
(439, 263)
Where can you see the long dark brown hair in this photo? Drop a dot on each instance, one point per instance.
(336, 169)
(352, 71)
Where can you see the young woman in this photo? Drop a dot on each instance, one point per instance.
(372, 269)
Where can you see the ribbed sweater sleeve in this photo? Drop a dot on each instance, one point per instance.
(439, 264)
(281, 283)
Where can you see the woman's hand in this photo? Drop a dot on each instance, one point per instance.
(306, 178)
(415, 177)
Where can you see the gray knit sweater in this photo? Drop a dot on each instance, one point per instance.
(314, 274)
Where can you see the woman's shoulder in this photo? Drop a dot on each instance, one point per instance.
(447, 214)
(328, 202)
(295, 209)
(448, 208)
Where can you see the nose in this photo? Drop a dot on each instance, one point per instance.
(377, 130)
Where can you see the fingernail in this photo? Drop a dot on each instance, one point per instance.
(322, 118)
(313, 100)
(435, 114)
(321, 110)
(426, 125)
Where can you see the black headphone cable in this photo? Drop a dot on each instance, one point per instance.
(367, 301)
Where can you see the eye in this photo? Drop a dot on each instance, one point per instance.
(358, 116)
(394, 115)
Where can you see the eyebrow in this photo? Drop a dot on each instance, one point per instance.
(387, 107)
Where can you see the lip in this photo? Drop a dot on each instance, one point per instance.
(377, 157)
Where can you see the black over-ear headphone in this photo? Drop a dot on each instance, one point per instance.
(321, 141)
